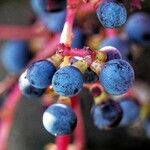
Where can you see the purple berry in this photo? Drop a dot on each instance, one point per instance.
(112, 53)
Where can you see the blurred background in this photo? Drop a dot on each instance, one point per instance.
(28, 133)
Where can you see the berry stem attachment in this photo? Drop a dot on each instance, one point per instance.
(62, 142)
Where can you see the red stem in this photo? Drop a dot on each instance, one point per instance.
(9, 107)
(49, 49)
(111, 32)
(13, 98)
(62, 142)
(66, 35)
(136, 4)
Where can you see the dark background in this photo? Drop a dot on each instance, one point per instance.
(27, 132)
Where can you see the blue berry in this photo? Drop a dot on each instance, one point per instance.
(107, 114)
(147, 127)
(15, 56)
(40, 73)
(67, 81)
(112, 14)
(116, 76)
(53, 6)
(137, 28)
(90, 76)
(54, 21)
(78, 38)
(48, 5)
(118, 43)
(112, 53)
(130, 109)
(59, 119)
(27, 89)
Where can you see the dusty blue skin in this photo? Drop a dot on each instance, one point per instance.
(27, 89)
(112, 53)
(67, 81)
(116, 76)
(78, 38)
(107, 114)
(137, 28)
(131, 110)
(40, 73)
(15, 56)
(118, 43)
(147, 127)
(59, 119)
(54, 21)
(112, 14)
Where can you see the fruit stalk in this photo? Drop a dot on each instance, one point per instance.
(7, 114)
(16, 32)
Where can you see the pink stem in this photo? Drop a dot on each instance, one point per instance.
(9, 107)
(7, 83)
(111, 32)
(136, 4)
(49, 49)
(15, 95)
(76, 52)
(66, 35)
(62, 142)
(16, 32)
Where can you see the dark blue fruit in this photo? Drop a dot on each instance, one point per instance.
(27, 89)
(59, 119)
(40, 73)
(107, 115)
(15, 56)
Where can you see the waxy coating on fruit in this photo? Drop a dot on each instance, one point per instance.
(59, 119)
(116, 76)
(40, 73)
(67, 81)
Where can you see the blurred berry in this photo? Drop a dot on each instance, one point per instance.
(131, 110)
(137, 28)
(107, 114)
(147, 127)
(54, 21)
(15, 56)
(78, 38)
(118, 43)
